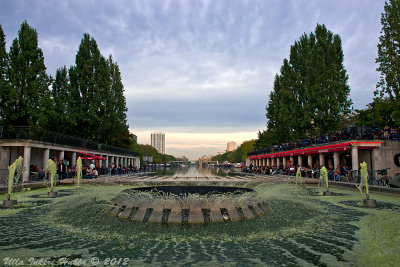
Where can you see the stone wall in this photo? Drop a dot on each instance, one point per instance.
(384, 157)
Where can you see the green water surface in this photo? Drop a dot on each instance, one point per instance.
(304, 228)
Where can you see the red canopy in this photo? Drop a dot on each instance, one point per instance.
(92, 157)
(319, 149)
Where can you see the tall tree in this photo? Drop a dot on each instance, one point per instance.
(29, 92)
(310, 94)
(116, 105)
(87, 88)
(4, 85)
(389, 56)
(96, 105)
(62, 104)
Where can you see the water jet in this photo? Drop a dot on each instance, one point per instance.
(367, 202)
(15, 172)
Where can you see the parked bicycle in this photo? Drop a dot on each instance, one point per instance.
(384, 178)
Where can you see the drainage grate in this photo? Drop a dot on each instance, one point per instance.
(225, 215)
(185, 216)
(253, 210)
(241, 213)
(206, 215)
(165, 215)
(133, 212)
(147, 214)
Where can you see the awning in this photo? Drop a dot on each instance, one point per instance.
(92, 157)
(320, 149)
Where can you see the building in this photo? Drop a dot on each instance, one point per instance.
(231, 146)
(378, 154)
(37, 146)
(134, 137)
(158, 141)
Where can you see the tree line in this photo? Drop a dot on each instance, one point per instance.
(85, 100)
(238, 155)
(148, 150)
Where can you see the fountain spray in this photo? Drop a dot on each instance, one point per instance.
(298, 176)
(324, 178)
(51, 167)
(367, 202)
(78, 171)
(15, 172)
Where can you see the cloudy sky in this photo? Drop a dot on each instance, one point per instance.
(200, 71)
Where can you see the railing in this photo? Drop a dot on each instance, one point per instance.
(38, 134)
(352, 133)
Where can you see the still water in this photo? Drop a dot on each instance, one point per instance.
(194, 171)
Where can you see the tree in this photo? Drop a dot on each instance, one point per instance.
(377, 114)
(62, 104)
(311, 94)
(148, 150)
(389, 56)
(115, 109)
(239, 155)
(95, 87)
(29, 93)
(4, 85)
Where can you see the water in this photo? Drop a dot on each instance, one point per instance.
(193, 171)
(303, 229)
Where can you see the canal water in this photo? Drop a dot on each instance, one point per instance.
(194, 171)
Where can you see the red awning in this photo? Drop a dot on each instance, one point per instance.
(314, 150)
(92, 157)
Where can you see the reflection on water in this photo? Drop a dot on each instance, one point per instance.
(192, 171)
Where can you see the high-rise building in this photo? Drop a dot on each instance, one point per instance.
(134, 137)
(158, 141)
(231, 146)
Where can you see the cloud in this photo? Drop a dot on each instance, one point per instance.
(200, 64)
(193, 143)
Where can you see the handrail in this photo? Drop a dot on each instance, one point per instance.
(39, 134)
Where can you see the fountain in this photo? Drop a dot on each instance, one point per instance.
(367, 202)
(78, 172)
(324, 180)
(15, 172)
(301, 228)
(187, 204)
(52, 168)
(298, 176)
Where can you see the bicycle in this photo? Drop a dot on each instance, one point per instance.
(383, 179)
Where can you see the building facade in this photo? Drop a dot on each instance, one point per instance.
(377, 154)
(158, 141)
(230, 146)
(37, 146)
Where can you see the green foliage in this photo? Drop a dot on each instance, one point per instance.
(378, 114)
(310, 95)
(389, 57)
(28, 95)
(96, 105)
(4, 85)
(148, 150)
(265, 139)
(86, 100)
(239, 155)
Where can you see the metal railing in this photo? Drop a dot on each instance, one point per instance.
(38, 134)
(352, 133)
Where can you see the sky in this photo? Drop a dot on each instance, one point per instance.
(200, 71)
